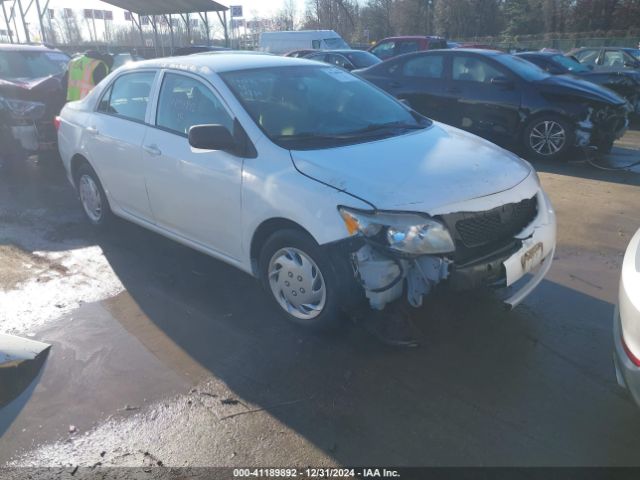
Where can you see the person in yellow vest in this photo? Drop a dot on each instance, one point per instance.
(85, 72)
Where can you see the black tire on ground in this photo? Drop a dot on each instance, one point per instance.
(539, 147)
(330, 315)
(605, 147)
(105, 216)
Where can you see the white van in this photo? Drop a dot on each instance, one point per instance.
(283, 42)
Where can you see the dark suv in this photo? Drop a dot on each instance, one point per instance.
(394, 46)
(32, 93)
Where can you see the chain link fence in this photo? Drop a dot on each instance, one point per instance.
(563, 44)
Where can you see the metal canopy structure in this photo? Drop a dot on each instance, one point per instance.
(17, 8)
(166, 8)
(152, 10)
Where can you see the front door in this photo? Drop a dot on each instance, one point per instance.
(195, 194)
(484, 98)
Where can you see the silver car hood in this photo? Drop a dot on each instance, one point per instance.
(420, 171)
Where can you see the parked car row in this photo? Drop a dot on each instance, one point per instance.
(506, 99)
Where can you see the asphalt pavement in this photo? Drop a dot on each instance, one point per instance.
(161, 354)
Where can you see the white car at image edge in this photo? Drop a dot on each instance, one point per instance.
(626, 322)
(327, 189)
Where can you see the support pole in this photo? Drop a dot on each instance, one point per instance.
(139, 25)
(224, 25)
(15, 21)
(6, 20)
(42, 31)
(205, 20)
(24, 23)
(170, 22)
(152, 19)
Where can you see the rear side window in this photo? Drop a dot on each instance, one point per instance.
(384, 50)
(407, 46)
(613, 58)
(437, 44)
(424, 66)
(128, 96)
(587, 57)
(338, 60)
(185, 102)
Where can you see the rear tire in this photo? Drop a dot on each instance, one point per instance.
(548, 137)
(92, 197)
(300, 281)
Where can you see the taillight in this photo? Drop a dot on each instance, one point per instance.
(635, 360)
(56, 122)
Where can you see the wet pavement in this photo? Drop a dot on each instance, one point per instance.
(161, 354)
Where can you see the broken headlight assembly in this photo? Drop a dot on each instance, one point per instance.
(407, 233)
(22, 109)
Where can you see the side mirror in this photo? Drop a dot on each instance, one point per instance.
(211, 137)
(502, 82)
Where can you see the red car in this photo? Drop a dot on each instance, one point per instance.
(394, 46)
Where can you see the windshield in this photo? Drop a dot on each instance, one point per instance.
(362, 59)
(335, 43)
(304, 107)
(16, 64)
(570, 64)
(522, 67)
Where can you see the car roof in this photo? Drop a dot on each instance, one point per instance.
(27, 48)
(221, 63)
(413, 37)
(538, 54)
(343, 50)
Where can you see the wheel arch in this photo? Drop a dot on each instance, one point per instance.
(264, 231)
(76, 161)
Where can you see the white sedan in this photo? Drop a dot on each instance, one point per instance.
(327, 189)
(626, 322)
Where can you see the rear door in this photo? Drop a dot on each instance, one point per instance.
(478, 105)
(419, 79)
(114, 139)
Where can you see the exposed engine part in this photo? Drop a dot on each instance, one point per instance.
(584, 131)
(423, 274)
(382, 276)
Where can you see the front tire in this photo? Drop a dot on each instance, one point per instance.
(300, 281)
(92, 197)
(548, 137)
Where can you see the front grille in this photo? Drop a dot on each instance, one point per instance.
(477, 229)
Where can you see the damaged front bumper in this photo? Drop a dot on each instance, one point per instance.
(603, 126)
(514, 268)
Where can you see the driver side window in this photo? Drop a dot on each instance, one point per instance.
(185, 102)
(472, 69)
(384, 50)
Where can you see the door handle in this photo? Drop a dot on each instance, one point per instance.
(92, 130)
(152, 150)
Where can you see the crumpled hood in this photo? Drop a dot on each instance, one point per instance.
(575, 86)
(38, 89)
(419, 171)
